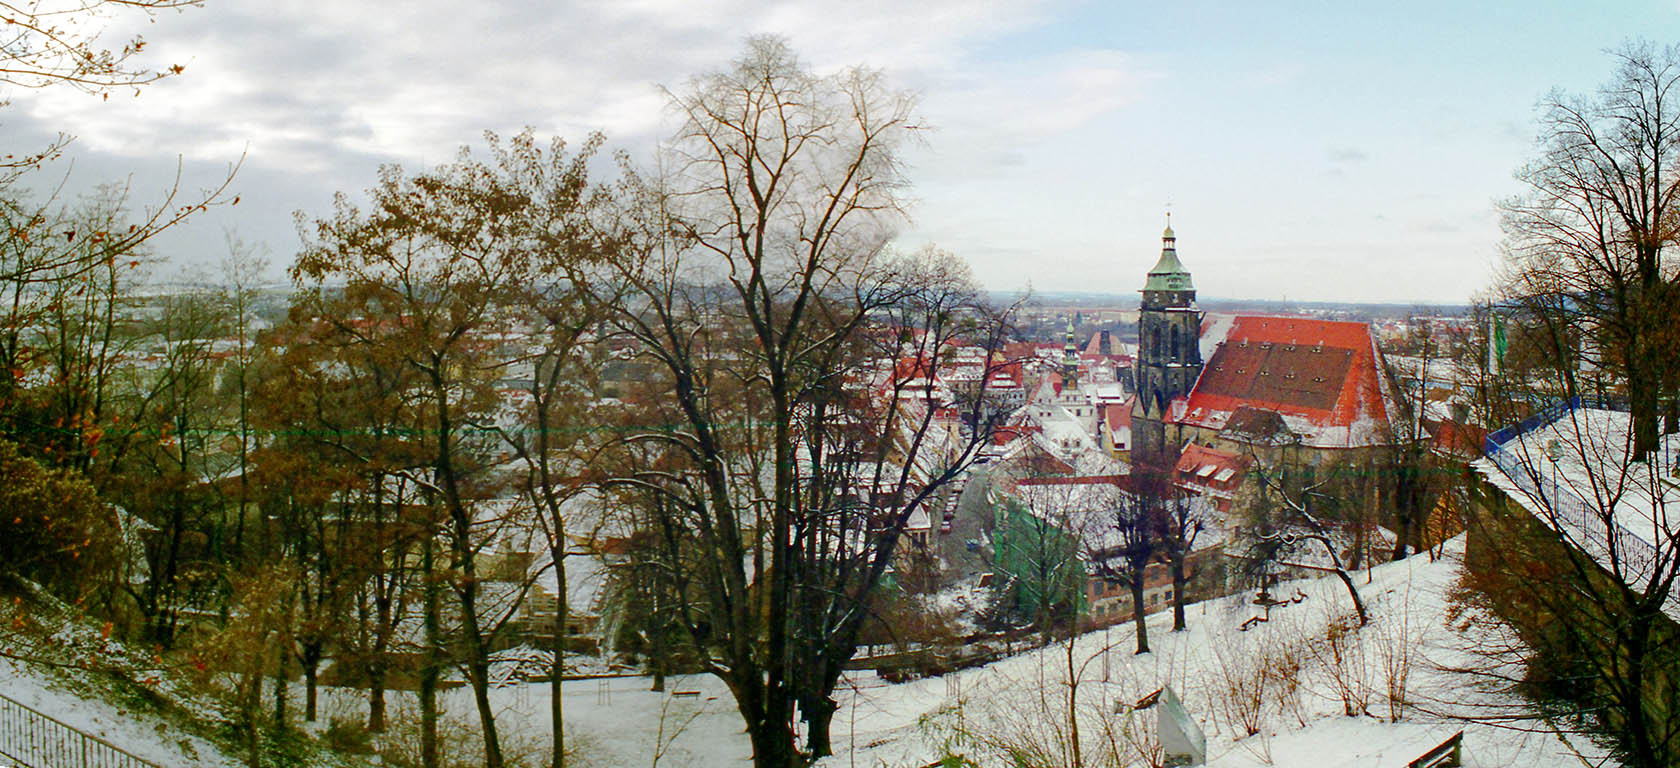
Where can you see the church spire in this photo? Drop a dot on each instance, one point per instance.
(1169, 273)
(1070, 358)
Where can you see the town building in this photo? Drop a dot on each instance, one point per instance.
(1286, 390)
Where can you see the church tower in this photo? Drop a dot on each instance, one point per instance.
(1169, 355)
(1070, 361)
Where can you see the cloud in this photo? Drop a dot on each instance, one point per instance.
(1052, 134)
(316, 95)
(305, 81)
(1347, 155)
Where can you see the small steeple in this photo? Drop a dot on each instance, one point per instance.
(1070, 358)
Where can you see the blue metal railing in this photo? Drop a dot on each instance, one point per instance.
(1541, 418)
(1586, 525)
(31, 739)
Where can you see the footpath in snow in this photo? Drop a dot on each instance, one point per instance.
(1277, 694)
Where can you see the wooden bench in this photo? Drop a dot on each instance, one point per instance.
(1448, 753)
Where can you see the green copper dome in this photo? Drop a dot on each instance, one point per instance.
(1169, 273)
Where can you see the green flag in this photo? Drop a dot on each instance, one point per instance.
(1496, 342)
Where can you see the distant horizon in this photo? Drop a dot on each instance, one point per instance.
(1340, 152)
(1098, 296)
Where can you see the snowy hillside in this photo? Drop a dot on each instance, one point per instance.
(134, 729)
(1289, 680)
(55, 661)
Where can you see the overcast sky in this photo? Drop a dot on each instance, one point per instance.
(1318, 151)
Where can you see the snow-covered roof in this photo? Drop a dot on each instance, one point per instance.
(586, 579)
(1320, 377)
(1576, 475)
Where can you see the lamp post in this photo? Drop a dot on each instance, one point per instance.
(1552, 450)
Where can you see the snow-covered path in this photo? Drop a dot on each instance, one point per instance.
(1280, 679)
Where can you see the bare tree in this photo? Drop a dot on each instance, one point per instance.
(1573, 543)
(1588, 238)
(876, 456)
(1123, 543)
(1573, 535)
(1038, 540)
(1179, 519)
(762, 271)
(556, 442)
(1294, 512)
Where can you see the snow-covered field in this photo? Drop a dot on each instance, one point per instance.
(1286, 678)
(1276, 694)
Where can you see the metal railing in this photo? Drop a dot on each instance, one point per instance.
(1584, 525)
(1587, 527)
(32, 739)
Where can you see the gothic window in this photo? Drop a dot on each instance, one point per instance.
(1155, 342)
(1176, 356)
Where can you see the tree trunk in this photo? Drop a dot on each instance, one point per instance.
(429, 670)
(1073, 704)
(819, 724)
(478, 654)
(478, 671)
(377, 662)
(1353, 592)
(1356, 556)
(660, 652)
(311, 669)
(1406, 505)
(557, 707)
(768, 720)
(461, 549)
(376, 697)
(772, 742)
(280, 688)
(1642, 394)
(1137, 615)
(1178, 580)
(252, 706)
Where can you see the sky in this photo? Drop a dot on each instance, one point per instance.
(1324, 151)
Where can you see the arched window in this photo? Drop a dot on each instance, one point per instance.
(1175, 352)
(1155, 342)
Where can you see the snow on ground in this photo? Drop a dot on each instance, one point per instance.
(62, 665)
(1281, 677)
(1270, 676)
(143, 734)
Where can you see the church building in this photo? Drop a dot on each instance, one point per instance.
(1297, 390)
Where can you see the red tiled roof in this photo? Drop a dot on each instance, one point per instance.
(1116, 480)
(1197, 457)
(1454, 439)
(1323, 370)
(1037, 462)
(1006, 434)
(1119, 417)
(907, 368)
